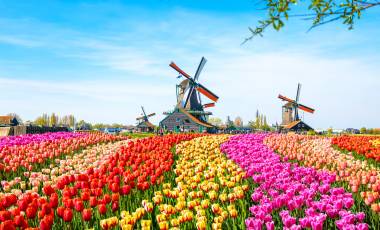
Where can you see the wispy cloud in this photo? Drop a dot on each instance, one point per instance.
(246, 78)
(12, 40)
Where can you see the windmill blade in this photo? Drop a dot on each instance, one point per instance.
(305, 108)
(140, 118)
(208, 105)
(187, 102)
(200, 67)
(151, 115)
(286, 99)
(143, 111)
(298, 92)
(203, 90)
(183, 73)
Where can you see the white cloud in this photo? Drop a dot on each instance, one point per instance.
(343, 90)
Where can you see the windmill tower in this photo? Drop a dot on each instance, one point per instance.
(144, 124)
(189, 103)
(290, 113)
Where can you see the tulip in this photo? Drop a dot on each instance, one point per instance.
(86, 214)
(102, 209)
(67, 215)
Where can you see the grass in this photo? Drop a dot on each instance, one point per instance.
(138, 135)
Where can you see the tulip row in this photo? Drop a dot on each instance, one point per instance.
(207, 192)
(35, 138)
(90, 157)
(92, 187)
(290, 196)
(364, 145)
(16, 159)
(361, 178)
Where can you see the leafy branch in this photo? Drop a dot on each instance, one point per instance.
(322, 12)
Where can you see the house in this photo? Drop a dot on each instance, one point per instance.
(8, 121)
(296, 126)
(181, 120)
(145, 127)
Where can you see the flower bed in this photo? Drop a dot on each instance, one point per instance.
(89, 186)
(288, 195)
(207, 192)
(364, 145)
(17, 155)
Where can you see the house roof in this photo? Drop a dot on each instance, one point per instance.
(292, 124)
(196, 120)
(6, 120)
(145, 124)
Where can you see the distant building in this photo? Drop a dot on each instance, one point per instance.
(145, 127)
(8, 121)
(352, 131)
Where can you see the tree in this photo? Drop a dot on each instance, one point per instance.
(363, 130)
(99, 126)
(229, 123)
(329, 131)
(53, 120)
(319, 11)
(216, 121)
(238, 122)
(42, 120)
(82, 125)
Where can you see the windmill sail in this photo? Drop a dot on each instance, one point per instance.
(182, 88)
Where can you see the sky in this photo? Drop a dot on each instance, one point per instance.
(101, 61)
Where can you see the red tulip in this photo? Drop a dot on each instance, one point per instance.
(93, 201)
(7, 225)
(53, 201)
(48, 190)
(107, 198)
(102, 209)
(86, 214)
(5, 215)
(78, 205)
(115, 206)
(68, 203)
(44, 225)
(19, 220)
(115, 196)
(125, 190)
(31, 212)
(60, 211)
(67, 215)
(85, 196)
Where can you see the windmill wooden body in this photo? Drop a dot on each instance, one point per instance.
(290, 114)
(189, 114)
(144, 124)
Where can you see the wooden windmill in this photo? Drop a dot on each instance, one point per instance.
(189, 103)
(144, 124)
(290, 113)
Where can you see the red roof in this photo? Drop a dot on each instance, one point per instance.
(291, 124)
(6, 120)
(196, 120)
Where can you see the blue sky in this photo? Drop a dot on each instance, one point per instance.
(102, 60)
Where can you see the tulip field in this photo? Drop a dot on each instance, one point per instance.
(189, 181)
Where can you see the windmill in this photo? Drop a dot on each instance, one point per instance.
(189, 93)
(189, 114)
(290, 113)
(144, 124)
